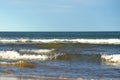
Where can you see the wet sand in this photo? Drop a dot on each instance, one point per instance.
(33, 77)
(40, 77)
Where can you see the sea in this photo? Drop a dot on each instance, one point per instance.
(66, 54)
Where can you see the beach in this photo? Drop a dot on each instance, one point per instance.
(38, 77)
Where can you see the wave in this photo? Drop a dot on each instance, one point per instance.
(37, 51)
(20, 63)
(14, 55)
(88, 41)
(80, 57)
(100, 58)
(111, 58)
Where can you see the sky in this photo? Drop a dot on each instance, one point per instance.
(59, 15)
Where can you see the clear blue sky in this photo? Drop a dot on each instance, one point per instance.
(59, 15)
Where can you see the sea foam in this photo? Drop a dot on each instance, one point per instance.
(115, 58)
(88, 41)
(37, 51)
(14, 55)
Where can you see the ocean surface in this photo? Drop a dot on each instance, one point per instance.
(68, 54)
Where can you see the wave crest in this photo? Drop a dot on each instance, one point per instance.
(111, 58)
(89, 41)
(14, 55)
(107, 58)
(39, 51)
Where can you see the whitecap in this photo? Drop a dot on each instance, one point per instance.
(88, 41)
(14, 55)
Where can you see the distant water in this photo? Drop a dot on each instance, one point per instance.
(69, 54)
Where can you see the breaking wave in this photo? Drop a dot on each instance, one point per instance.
(37, 51)
(14, 55)
(115, 58)
(48, 55)
(89, 41)
(99, 58)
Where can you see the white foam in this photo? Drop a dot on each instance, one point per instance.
(14, 55)
(111, 58)
(89, 41)
(38, 51)
(97, 41)
(13, 40)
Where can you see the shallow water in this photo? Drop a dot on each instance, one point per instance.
(68, 54)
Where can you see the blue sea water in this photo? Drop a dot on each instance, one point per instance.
(69, 54)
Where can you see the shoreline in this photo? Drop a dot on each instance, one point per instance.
(36, 77)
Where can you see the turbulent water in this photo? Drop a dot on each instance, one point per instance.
(68, 54)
